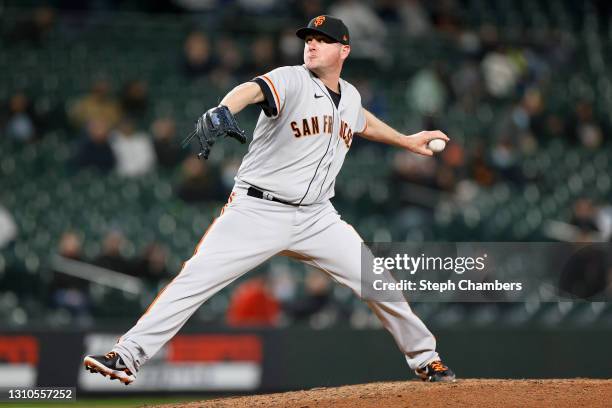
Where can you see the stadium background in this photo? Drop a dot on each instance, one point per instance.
(97, 95)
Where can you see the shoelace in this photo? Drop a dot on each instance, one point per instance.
(438, 366)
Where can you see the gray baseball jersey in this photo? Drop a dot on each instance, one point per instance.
(301, 137)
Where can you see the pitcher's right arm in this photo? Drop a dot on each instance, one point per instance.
(243, 95)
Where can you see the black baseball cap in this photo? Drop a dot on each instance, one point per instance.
(329, 26)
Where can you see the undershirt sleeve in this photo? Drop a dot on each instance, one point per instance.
(268, 105)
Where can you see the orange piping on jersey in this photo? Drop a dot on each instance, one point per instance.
(229, 200)
(276, 99)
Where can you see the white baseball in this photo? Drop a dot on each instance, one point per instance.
(436, 145)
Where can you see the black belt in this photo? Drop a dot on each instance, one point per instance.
(253, 192)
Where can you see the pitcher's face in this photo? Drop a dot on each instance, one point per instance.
(321, 52)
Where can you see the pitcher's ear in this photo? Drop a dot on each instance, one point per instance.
(346, 50)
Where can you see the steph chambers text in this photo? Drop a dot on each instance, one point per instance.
(464, 285)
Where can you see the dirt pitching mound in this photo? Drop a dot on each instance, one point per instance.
(463, 393)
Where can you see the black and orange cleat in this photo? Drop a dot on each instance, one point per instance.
(436, 371)
(109, 365)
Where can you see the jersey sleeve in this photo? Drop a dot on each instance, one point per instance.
(276, 86)
(362, 123)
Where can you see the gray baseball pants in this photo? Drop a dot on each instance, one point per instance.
(247, 233)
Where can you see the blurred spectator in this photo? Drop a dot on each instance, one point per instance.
(532, 107)
(263, 56)
(500, 73)
(523, 121)
(151, 264)
(505, 160)
(481, 172)
(388, 11)
(469, 43)
(198, 59)
(466, 82)
(230, 69)
(413, 168)
(252, 304)
(167, 150)
(199, 182)
(290, 48)
(260, 7)
(427, 91)
(317, 295)
(372, 98)
(413, 17)
(466, 191)
(585, 274)
(489, 39)
(366, 29)
(536, 69)
(194, 5)
(98, 104)
(446, 16)
(556, 128)
(70, 246)
(452, 168)
(230, 57)
(587, 132)
(35, 28)
(446, 178)
(133, 150)
(306, 10)
(111, 257)
(95, 150)
(20, 122)
(559, 48)
(584, 217)
(69, 292)
(135, 99)
(8, 227)
(282, 282)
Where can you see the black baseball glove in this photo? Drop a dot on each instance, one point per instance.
(216, 122)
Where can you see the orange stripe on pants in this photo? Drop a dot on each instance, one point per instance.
(229, 200)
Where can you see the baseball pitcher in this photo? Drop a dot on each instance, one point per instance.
(280, 204)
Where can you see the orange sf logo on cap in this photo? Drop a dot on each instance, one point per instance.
(319, 21)
(344, 38)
